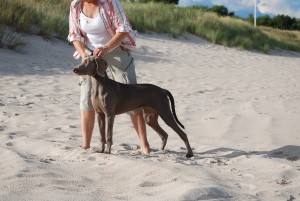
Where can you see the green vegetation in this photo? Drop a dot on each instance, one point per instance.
(47, 18)
(228, 31)
(50, 19)
(10, 39)
(220, 10)
(284, 22)
(292, 37)
(155, 1)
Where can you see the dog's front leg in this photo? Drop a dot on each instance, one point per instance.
(101, 124)
(109, 131)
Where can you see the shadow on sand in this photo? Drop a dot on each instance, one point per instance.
(289, 152)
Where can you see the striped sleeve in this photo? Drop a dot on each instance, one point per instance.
(121, 24)
(74, 30)
(120, 21)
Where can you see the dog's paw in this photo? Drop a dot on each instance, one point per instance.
(189, 155)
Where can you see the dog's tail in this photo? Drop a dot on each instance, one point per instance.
(173, 108)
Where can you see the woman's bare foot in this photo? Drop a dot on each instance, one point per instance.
(85, 147)
(145, 149)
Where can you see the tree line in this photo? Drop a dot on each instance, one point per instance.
(279, 21)
(158, 1)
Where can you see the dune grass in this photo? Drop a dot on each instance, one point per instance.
(220, 30)
(9, 39)
(43, 17)
(50, 19)
(284, 35)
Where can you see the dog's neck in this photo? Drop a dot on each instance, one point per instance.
(97, 77)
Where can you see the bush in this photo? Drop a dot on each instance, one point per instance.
(279, 21)
(9, 39)
(220, 10)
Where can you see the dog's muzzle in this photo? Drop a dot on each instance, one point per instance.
(76, 70)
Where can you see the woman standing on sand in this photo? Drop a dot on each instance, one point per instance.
(102, 27)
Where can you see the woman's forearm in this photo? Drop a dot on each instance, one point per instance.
(116, 40)
(79, 46)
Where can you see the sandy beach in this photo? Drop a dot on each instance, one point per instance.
(241, 110)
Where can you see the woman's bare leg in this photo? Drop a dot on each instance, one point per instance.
(87, 126)
(140, 127)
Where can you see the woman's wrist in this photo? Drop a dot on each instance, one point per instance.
(106, 48)
(101, 50)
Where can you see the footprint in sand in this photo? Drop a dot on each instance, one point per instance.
(246, 176)
(78, 154)
(9, 144)
(11, 135)
(149, 184)
(1, 128)
(216, 161)
(128, 149)
(211, 193)
(47, 160)
(92, 158)
(167, 156)
(125, 146)
(74, 152)
(71, 126)
(246, 186)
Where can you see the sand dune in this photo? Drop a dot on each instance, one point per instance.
(241, 111)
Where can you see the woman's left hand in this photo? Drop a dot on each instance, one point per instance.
(100, 51)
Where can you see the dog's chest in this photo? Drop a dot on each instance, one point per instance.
(98, 103)
(97, 100)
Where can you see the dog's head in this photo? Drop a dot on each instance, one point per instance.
(91, 66)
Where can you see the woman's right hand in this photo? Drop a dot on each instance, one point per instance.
(79, 46)
(84, 57)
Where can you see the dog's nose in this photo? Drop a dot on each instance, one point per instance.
(75, 70)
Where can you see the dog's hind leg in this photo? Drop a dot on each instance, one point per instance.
(170, 121)
(151, 118)
(101, 124)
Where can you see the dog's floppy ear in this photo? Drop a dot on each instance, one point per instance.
(101, 66)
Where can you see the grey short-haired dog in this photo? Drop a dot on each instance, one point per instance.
(110, 98)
